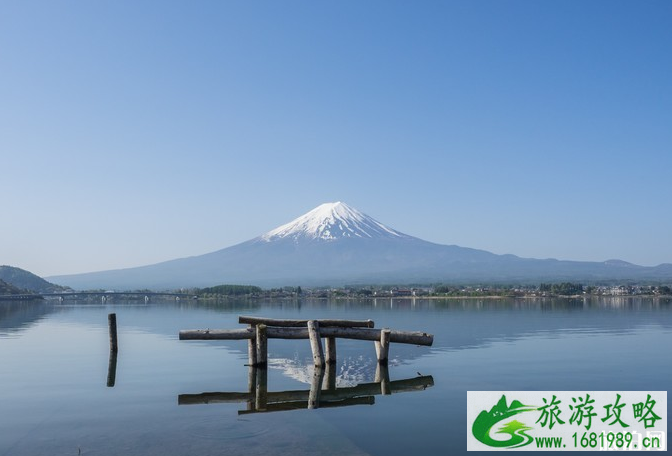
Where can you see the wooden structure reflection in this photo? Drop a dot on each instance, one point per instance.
(322, 393)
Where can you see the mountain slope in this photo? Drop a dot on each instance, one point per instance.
(335, 244)
(26, 280)
(9, 289)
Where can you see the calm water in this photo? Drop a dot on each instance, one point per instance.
(54, 398)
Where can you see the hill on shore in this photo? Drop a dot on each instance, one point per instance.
(9, 289)
(27, 281)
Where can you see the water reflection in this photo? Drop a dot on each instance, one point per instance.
(112, 369)
(54, 400)
(17, 316)
(354, 365)
(323, 392)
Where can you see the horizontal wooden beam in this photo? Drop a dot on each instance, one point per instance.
(217, 334)
(400, 337)
(304, 323)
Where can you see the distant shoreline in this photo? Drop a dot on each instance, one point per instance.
(419, 298)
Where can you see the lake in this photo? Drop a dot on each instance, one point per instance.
(55, 398)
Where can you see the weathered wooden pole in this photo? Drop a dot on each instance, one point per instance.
(316, 343)
(330, 343)
(251, 379)
(316, 387)
(112, 324)
(383, 346)
(112, 369)
(383, 377)
(262, 346)
(261, 396)
(251, 387)
(302, 323)
(402, 337)
(330, 375)
(252, 349)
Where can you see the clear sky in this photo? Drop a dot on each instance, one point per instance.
(133, 132)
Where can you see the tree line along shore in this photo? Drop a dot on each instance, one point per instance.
(441, 291)
(564, 289)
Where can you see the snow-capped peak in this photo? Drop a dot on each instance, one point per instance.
(332, 221)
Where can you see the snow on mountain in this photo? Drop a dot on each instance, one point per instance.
(331, 221)
(335, 244)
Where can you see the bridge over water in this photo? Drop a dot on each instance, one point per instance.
(104, 295)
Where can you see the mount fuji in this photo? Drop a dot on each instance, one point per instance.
(335, 244)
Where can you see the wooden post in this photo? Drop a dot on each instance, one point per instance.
(261, 396)
(330, 375)
(315, 387)
(252, 349)
(262, 346)
(316, 343)
(251, 379)
(112, 369)
(383, 377)
(112, 324)
(252, 386)
(383, 347)
(331, 350)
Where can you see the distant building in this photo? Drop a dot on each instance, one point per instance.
(401, 292)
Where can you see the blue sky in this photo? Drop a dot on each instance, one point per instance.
(137, 132)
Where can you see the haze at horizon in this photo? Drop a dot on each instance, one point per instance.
(136, 133)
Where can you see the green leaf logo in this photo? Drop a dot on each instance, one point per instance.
(486, 423)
